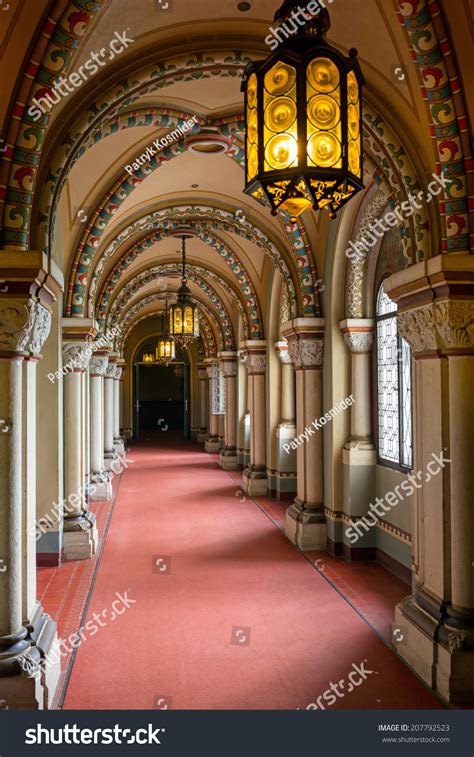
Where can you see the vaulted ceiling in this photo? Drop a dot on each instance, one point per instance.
(115, 232)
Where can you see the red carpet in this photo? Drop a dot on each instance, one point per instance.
(231, 576)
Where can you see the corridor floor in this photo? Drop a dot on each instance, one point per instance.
(226, 613)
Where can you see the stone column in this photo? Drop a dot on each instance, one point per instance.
(286, 429)
(255, 474)
(28, 679)
(228, 455)
(435, 301)
(359, 455)
(80, 530)
(119, 444)
(243, 432)
(101, 484)
(221, 429)
(203, 403)
(305, 519)
(110, 455)
(212, 443)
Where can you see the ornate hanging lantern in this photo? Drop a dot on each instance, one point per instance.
(166, 347)
(303, 109)
(184, 314)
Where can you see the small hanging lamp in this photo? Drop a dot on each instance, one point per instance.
(166, 347)
(184, 314)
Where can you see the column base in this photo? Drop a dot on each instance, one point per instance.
(228, 459)
(255, 482)
(100, 487)
(119, 446)
(42, 632)
(29, 669)
(305, 527)
(110, 456)
(442, 655)
(212, 445)
(243, 458)
(81, 537)
(221, 442)
(202, 436)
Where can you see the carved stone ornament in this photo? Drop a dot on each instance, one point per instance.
(27, 664)
(24, 325)
(229, 368)
(441, 326)
(306, 353)
(118, 372)
(359, 342)
(256, 363)
(98, 366)
(202, 373)
(75, 356)
(285, 309)
(110, 372)
(284, 355)
(456, 640)
(356, 267)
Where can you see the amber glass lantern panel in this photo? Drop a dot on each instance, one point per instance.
(252, 128)
(280, 128)
(178, 319)
(354, 144)
(323, 114)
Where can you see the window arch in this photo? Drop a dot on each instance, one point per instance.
(394, 387)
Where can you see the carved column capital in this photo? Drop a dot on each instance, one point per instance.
(118, 372)
(254, 355)
(75, 356)
(229, 369)
(98, 365)
(358, 334)
(24, 325)
(306, 353)
(228, 363)
(282, 349)
(305, 338)
(439, 326)
(435, 301)
(110, 371)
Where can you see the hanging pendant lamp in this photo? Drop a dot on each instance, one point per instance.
(303, 110)
(184, 314)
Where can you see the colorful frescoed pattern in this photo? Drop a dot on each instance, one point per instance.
(163, 230)
(442, 91)
(56, 44)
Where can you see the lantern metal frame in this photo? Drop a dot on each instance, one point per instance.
(304, 185)
(184, 301)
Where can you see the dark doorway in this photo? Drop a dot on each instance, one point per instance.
(161, 398)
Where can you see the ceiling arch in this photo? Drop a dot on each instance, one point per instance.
(223, 332)
(140, 278)
(221, 312)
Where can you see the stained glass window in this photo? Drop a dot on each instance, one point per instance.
(394, 387)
